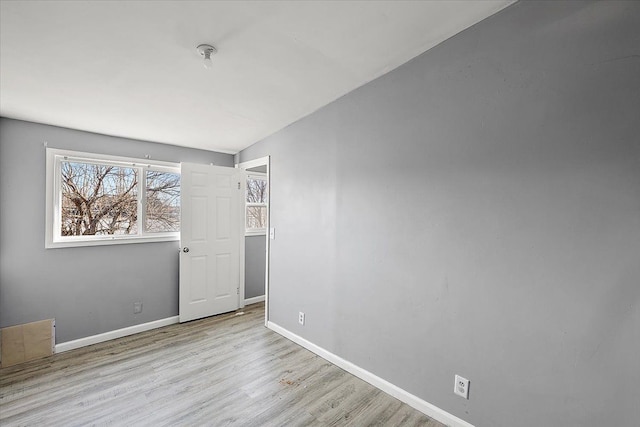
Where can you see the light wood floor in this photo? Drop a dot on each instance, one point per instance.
(224, 370)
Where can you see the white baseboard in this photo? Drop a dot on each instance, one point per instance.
(118, 333)
(254, 300)
(393, 390)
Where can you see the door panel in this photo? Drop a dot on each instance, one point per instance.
(223, 268)
(210, 238)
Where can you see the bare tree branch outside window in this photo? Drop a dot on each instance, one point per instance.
(98, 199)
(163, 202)
(257, 194)
(102, 199)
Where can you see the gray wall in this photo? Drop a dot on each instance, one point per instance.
(89, 290)
(477, 212)
(254, 266)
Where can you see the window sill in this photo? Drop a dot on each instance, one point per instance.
(255, 233)
(71, 242)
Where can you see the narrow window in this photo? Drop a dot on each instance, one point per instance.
(256, 206)
(162, 202)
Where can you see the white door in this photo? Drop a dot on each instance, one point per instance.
(211, 240)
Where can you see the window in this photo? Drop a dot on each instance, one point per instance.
(256, 206)
(96, 199)
(162, 190)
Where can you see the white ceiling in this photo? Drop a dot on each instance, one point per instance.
(130, 68)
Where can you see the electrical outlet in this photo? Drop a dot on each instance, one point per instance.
(137, 307)
(272, 233)
(301, 318)
(461, 387)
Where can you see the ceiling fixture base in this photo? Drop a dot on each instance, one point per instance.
(206, 50)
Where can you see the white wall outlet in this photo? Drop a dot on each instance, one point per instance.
(301, 318)
(461, 387)
(137, 307)
(272, 233)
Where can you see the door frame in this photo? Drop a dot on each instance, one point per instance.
(262, 161)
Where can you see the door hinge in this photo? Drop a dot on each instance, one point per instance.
(238, 291)
(238, 186)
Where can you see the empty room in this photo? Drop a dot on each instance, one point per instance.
(320, 213)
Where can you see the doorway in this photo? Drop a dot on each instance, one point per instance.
(257, 231)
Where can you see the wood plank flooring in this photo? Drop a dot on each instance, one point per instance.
(224, 370)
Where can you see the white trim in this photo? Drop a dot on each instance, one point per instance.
(53, 336)
(114, 240)
(391, 389)
(254, 300)
(122, 160)
(253, 163)
(266, 160)
(118, 333)
(241, 213)
(267, 239)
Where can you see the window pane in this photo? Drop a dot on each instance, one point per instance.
(163, 202)
(257, 190)
(256, 217)
(98, 199)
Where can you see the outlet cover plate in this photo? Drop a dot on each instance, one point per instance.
(301, 318)
(461, 387)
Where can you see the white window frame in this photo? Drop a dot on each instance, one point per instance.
(256, 231)
(55, 157)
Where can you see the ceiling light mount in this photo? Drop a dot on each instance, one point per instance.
(206, 51)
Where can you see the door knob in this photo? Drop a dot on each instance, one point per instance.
(185, 249)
